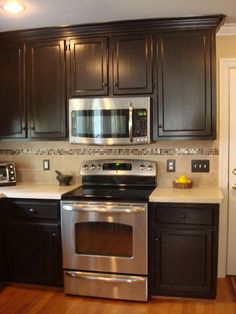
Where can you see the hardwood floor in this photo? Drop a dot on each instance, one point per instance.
(20, 298)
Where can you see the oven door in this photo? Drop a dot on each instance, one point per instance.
(105, 237)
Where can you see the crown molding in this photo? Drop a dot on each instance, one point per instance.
(227, 30)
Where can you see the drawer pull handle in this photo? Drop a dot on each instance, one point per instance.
(183, 216)
(31, 210)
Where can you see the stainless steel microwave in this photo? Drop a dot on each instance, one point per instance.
(7, 173)
(110, 121)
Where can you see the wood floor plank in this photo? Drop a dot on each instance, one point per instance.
(28, 299)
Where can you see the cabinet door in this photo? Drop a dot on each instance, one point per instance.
(12, 91)
(183, 262)
(1, 243)
(132, 65)
(88, 64)
(186, 86)
(33, 252)
(47, 97)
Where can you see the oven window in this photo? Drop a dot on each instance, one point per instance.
(104, 238)
(100, 123)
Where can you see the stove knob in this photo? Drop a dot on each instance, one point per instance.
(142, 167)
(149, 167)
(85, 167)
(99, 167)
(93, 167)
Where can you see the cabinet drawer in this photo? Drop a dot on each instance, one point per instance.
(43, 209)
(184, 215)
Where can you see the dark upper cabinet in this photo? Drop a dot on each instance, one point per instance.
(186, 85)
(88, 65)
(47, 89)
(12, 91)
(172, 60)
(132, 64)
(130, 71)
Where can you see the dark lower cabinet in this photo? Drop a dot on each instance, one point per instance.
(34, 242)
(183, 247)
(1, 243)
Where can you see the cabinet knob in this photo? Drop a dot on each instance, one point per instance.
(53, 234)
(183, 216)
(160, 126)
(32, 210)
(115, 84)
(32, 128)
(234, 186)
(156, 239)
(104, 84)
(234, 171)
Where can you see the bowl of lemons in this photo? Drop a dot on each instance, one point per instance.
(182, 183)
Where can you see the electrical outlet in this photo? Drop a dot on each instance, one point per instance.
(200, 165)
(170, 165)
(46, 164)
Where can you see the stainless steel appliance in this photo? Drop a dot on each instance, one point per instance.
(110, 121)
(7, 173)
(105, 232)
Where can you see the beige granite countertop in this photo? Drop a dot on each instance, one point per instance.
(37, 191)
(193, 195)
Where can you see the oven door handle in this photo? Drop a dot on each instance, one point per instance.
(107, 278)
(104, 208)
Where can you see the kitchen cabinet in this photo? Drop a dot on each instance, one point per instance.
(1, 241)
(46, 89)
(132, 65)
(183, 246)
(33, 251)
(12, 91)
(129, 73)
(42, 64)
(186, 85)
(88, 64)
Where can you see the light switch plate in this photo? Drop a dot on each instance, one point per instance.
(46, 164)
(200, 165)
(170, 165)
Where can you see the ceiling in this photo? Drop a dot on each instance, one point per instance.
(44, 13)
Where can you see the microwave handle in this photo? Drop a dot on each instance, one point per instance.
(131, 122)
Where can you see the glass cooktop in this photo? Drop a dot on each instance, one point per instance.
(109, 192)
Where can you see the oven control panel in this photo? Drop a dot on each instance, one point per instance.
(119, 167)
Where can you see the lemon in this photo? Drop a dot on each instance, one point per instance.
(183, 179)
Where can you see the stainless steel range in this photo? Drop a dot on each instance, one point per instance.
(104, 230)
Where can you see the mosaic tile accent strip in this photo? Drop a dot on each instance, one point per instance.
(112, 151)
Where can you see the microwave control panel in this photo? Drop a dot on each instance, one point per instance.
(140, 123)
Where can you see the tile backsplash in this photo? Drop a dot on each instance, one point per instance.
(28, 157)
